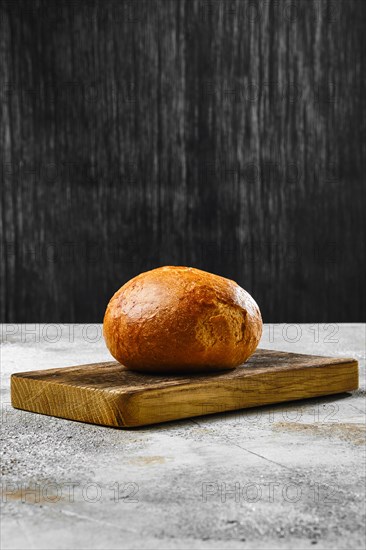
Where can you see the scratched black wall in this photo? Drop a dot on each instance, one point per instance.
(229, 136)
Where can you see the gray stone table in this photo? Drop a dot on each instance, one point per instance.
(286, 476)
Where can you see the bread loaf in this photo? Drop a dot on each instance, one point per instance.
(181, 319)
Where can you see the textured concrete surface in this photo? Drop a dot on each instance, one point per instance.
(289, 476)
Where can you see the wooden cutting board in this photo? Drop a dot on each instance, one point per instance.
(109, 394)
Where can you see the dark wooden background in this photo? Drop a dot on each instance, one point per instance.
(229, 136)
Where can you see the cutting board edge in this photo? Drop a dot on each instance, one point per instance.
(351, 374)
(91, 401)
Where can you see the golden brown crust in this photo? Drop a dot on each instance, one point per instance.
(181, 319)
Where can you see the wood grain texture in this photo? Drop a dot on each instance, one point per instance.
(229, 136)
(111, 395)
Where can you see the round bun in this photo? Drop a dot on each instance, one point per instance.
(180, 319)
